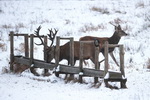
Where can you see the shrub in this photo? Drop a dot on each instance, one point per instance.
(3, 46)
(91, 27)
(148, 63)
(101, 10)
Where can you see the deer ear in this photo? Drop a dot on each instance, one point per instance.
(115, 27)
(96, 42)
(119, 27)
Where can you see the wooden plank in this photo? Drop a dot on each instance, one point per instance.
(76, 70)
(106, 61)
(37, 63)
(45, 49)
(93, 72)
(31, 48)
(11, 50)
(122, 83)
(57, 50)
(69, 69)
(115, 80)
(71, 55)
(22, 60)
(96, 62)
(115, 75)
(122, 60)
(81, 62)
(111, 45)
(72, 51)
(57, 54)
(65, 38)
(26, 45)
(20, 34)
(23, 34)
(106, 57)
(44, 65)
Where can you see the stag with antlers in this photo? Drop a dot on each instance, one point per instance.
(51, 37)
(88, 53)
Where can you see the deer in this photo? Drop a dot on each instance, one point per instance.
(88, 53)
(114, 39)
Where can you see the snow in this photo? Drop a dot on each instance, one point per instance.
(76, 19)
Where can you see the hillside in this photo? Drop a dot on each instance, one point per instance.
(76, 19)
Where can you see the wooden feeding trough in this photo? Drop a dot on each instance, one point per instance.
(105, 74)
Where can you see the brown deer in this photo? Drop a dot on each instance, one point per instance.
(51, 36)
(114, 39)
(88, 53)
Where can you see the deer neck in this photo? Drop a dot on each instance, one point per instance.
(114, 39)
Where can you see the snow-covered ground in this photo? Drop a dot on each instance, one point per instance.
(76, 19)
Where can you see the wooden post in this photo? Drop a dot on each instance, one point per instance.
(57, 53)
(45, 55)
(26, 45)
(72, 51)
(71, 55)
(106, 62)
(45, 49)
(31, 49)
(123, 81)
(96, 62)
(81, 62)
(122, 60)
(11, 50)
(106, 58)
(57, 50)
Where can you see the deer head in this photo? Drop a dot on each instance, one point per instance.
(118, 30)
(51, 36)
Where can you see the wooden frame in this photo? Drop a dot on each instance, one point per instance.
(83, 73)
(96, 73)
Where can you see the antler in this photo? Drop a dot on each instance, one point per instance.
(112, 24)
(37, 34)
(52, 35)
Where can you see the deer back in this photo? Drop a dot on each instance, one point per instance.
(88, 51)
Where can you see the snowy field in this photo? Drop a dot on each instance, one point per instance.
(76, 19)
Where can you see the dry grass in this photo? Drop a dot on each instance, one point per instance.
(140, 5)
(1, 11)
(3, 46)
(148, 63)
(1, 36)
(20, 25)
(5, 70)
(127, 28)
(16, 26)
(21, 48)
(44, 21)
(120, 12)
(118, 21)
(101, 10)
(91, 27)
(7, 26)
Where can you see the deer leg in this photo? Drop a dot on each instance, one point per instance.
(67, 74)
(46, 73)
(113, 57)
(85, 62)
(71, 77)
(33, 71)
